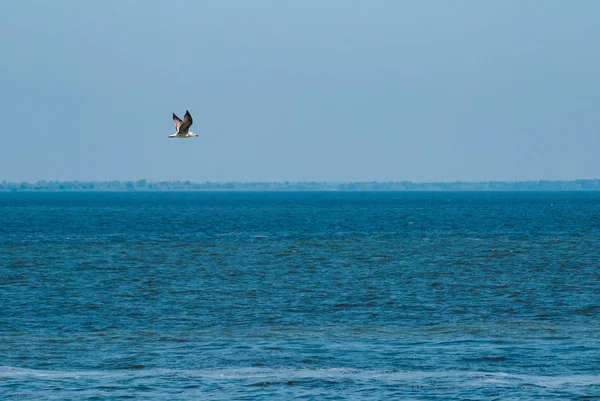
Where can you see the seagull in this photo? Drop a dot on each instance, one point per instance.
(182, 128)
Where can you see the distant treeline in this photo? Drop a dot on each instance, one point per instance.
(145, 185)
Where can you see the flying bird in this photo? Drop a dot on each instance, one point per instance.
(182, 128)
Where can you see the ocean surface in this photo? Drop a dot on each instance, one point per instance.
(315, 296)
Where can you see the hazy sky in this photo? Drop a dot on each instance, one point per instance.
(416, 90)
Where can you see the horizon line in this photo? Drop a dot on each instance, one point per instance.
(337, 182)
(144, 185)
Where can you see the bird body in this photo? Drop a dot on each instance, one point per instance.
(182, 127)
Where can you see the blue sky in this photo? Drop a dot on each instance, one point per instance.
(309, 90)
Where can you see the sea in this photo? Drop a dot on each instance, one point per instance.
(299, 295)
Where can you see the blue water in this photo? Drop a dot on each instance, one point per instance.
(221, 296)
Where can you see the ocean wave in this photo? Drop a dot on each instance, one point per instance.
(285, 374)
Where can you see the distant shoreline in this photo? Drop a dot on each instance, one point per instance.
(379, 186)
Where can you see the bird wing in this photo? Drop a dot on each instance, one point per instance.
(187, 122)
(177, 122)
